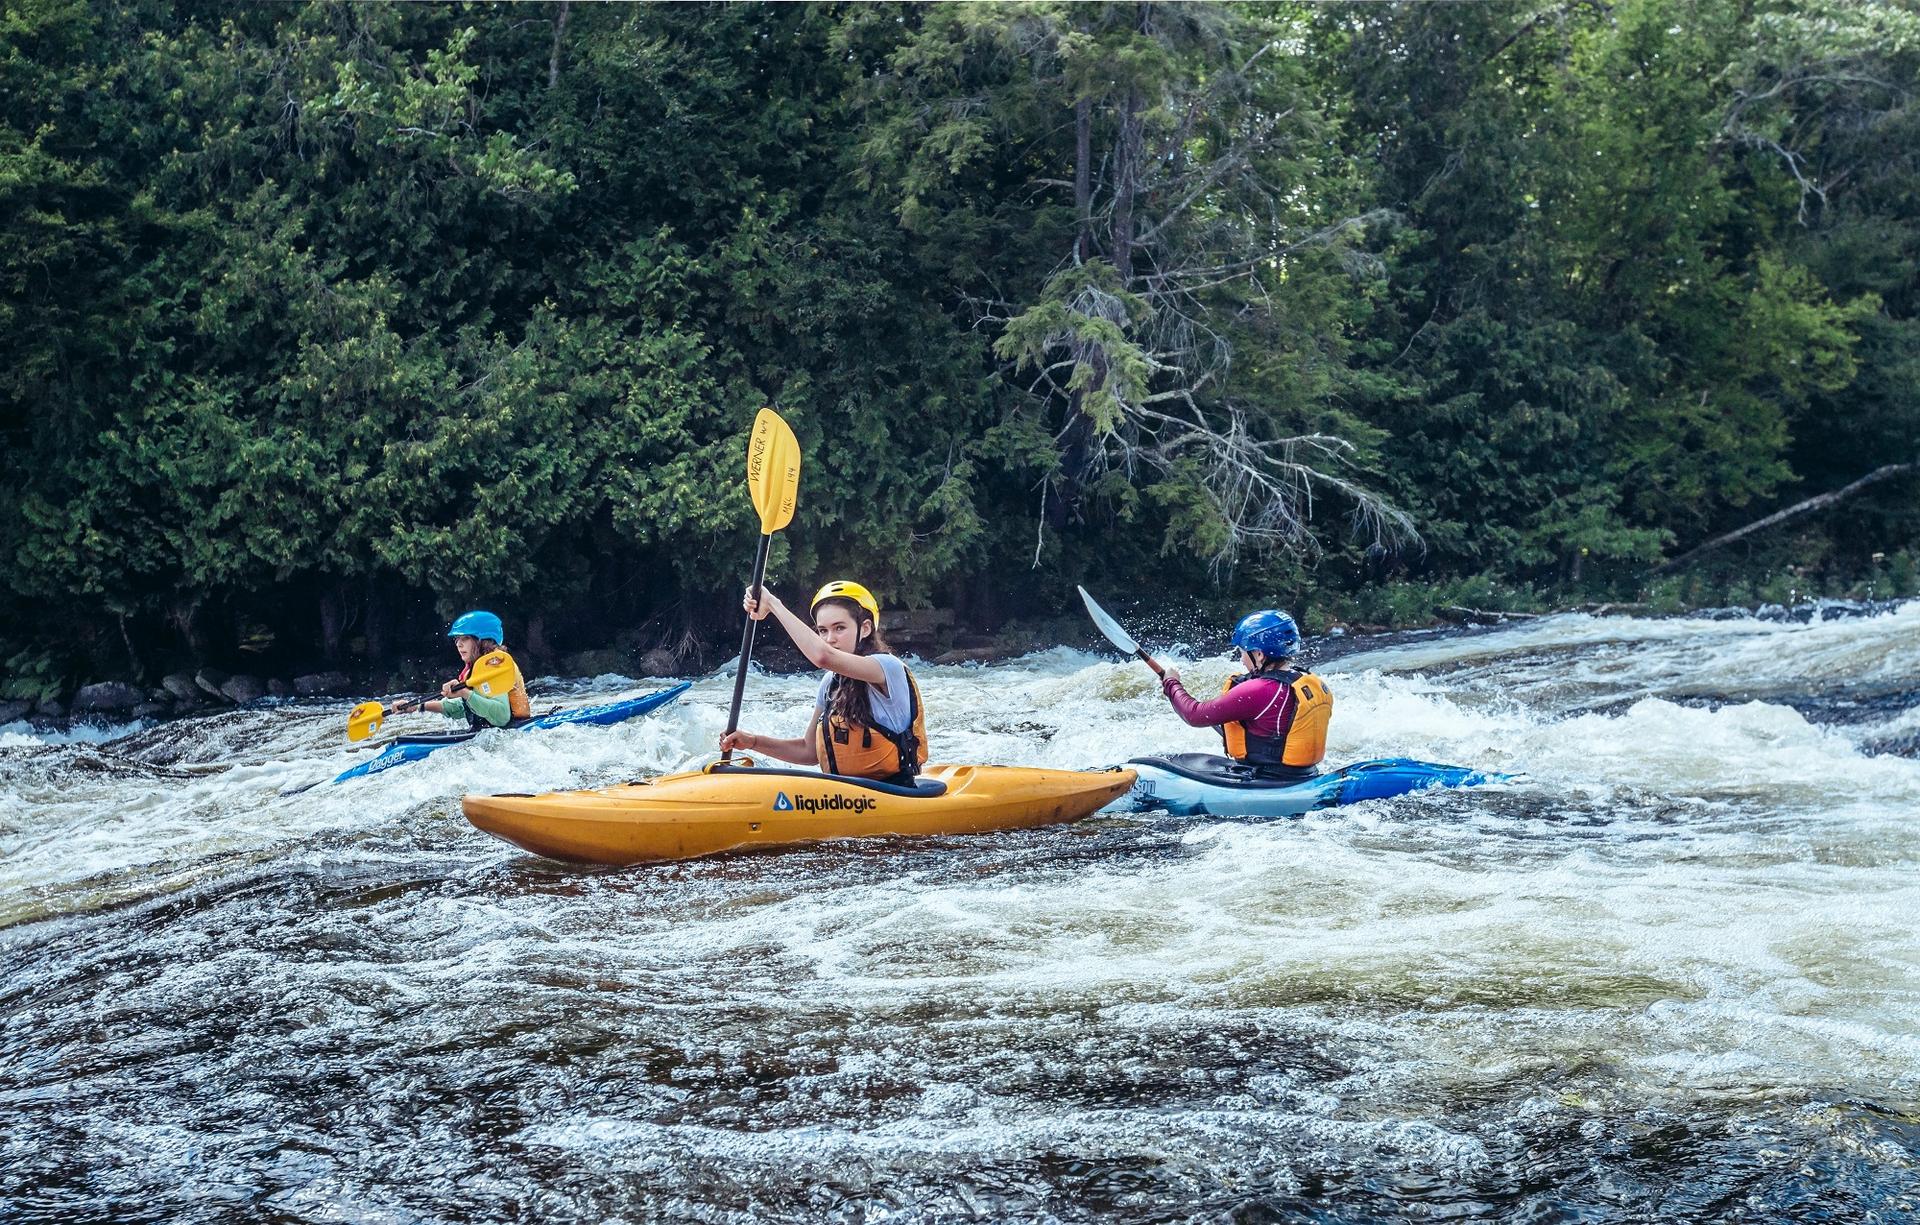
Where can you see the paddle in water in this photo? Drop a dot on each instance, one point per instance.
(1116, 635)
(773, 481)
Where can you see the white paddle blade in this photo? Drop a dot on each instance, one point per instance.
(1108, 626)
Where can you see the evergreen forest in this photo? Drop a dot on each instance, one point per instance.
(325, 321)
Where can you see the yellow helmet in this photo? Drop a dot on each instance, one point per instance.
(847, 591)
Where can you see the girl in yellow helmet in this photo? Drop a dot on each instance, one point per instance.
(867, 720)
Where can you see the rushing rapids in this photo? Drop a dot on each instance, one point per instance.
(1673, 973)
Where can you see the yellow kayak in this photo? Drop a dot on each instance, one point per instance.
(729, 807)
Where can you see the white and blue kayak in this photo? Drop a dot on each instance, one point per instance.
(400, 751)
(1202, 784)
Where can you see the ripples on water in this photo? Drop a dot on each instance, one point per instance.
(1673, 975)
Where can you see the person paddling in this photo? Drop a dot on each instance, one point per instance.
(867, 719)
(1273, 716)
(491, 692)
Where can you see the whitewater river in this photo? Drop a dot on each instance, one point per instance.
(1672, 974)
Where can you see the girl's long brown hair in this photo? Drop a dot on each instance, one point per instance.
(852, 699)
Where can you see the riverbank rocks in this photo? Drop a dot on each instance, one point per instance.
(50, 708)
(659, 662)
(152, 710)
(596, 663)
(243, 689)
(322, 684)
(918, 630)
(209, 680)
(107, 697)
(279, 688)
(13, 712)
(181, 686)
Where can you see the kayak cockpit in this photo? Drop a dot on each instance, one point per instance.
(922, 788)
(1217, 771)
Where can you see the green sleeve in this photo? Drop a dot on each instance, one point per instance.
(497, 711)
(454, 708)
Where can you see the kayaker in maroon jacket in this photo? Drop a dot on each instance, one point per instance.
(1272, 716)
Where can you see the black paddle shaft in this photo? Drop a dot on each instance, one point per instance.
(746, 642)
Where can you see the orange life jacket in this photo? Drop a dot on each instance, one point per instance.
(871, 752)
(1301, 739)
(497, 674)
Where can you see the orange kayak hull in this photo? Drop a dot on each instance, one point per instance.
(684, 816)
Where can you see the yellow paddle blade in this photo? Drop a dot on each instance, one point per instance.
(365, 719)
(494, 675)
(773, 471)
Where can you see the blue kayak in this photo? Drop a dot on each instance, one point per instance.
(1202, 784)
(412, 748)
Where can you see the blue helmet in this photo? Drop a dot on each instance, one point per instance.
(1268, 631)
(478, 623)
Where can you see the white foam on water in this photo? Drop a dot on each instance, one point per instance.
(22, 734)
(1681, 903)
(87, 830)
(1576, 659)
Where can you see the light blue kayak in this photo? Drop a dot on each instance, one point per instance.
(1202, 784)
(412, 748)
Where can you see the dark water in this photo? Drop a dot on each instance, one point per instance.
(1673, 976)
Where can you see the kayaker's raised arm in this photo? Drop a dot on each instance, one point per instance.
(818, 651)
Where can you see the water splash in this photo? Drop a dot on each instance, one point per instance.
(1622, 989)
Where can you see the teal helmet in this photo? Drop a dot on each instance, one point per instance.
(1269, 631)
(478, 623)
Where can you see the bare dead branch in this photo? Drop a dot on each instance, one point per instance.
(1818, 502)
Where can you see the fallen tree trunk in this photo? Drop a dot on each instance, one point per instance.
(1778, 517)
(1454, 612)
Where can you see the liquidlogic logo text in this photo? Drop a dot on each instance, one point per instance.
(855, 804)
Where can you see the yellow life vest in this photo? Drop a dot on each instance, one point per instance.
(1299, 741)
(871, 752)
(494, 675)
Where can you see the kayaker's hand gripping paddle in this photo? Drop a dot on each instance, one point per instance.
(1116, 635)
(773, 478)
(365, 719)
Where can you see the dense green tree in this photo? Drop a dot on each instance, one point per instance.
(1611, 342)
(326, 319)
(1122, 194)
